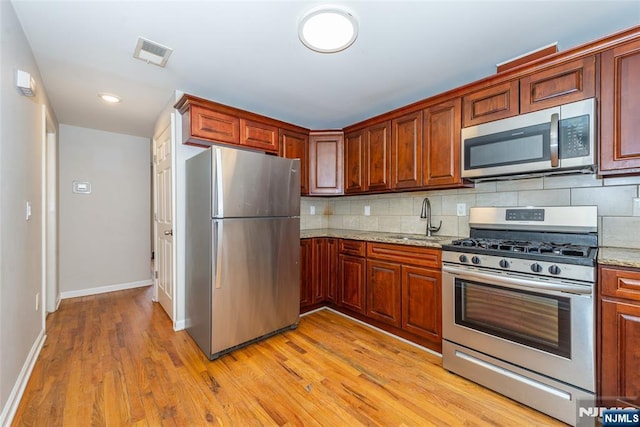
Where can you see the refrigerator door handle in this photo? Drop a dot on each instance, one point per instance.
(216, 261)
(218, 204)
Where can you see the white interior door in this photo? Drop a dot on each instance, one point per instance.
(164, 220)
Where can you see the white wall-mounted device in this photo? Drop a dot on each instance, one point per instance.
(25, 83)
(80, 187)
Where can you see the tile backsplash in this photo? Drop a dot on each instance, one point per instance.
(617, 200)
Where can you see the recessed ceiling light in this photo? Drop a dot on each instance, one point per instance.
(110, 98)
(328, 29)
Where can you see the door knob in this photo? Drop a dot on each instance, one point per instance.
(168, 232)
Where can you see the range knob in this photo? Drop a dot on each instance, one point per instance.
(504, 263)
(536, 268)
(463, 258)
(554, 269)
(475, 260)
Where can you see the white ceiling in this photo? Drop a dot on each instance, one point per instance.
(247, 53)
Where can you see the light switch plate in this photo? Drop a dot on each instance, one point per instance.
(367, 210)
(312, 210)
(636, 206)
(461, 209)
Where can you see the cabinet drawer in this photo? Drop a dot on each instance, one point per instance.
(621, 283)
(352, 247)
(214, 126)
(413, 255)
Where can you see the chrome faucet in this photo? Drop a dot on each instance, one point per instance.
(426, 213)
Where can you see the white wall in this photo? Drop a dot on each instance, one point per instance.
(21, 130)
(104, 236)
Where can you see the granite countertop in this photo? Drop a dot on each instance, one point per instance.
(435, 241)
(621, 257)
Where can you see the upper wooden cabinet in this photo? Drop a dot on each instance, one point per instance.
(441, 150)
(568, 82)
(325, 163)
(354, 162)
(259, 135)
(548, 87)
(294, 145)
(367, 159)
(205, 123)
(406, 151)
(491, 103)
(620, 109)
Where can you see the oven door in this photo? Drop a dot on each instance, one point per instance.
(540, 325)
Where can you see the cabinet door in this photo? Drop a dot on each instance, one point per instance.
(352, 283)
(320, 278)
(620, 109)
(210, 125)
(378, 157)
(306, 272)
(293, 145)
(332, 260)
(406, 151)
(620, 282)
(384, 292)
(493, 103)
(258, 135)
(421, 302)
(325, 163)
(354, 162)
(620, 354)
(441, 161)
(569, 82)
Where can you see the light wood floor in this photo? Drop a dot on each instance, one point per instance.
(114, 360)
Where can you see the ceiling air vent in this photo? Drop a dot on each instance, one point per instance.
(152, 52)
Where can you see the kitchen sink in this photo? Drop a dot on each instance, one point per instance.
(415, 238)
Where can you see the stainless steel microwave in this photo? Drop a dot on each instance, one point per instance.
(553, 140)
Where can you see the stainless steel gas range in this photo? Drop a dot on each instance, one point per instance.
(519, 302)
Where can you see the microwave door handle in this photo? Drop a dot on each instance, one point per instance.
(553, 140)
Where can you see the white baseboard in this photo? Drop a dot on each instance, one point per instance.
(179, 325)
(10, 408)
(105, 289)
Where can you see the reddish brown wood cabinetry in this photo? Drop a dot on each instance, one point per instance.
(325, 163)
(354, 162)
(491, 103)
(406, 151)
(294, 145)
(620, 109)
(352, 276)
(441, 151)
(205, 124)
(367, 159)
(378, 157)
(258, 135)
(332, 265)
(384, 292)
(306, 272)
(404, 290)
(568, 82)
(619, 326)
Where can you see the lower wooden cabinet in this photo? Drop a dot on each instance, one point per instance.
(384, 282)
(619, 326)
(422, 302)
(394, 287)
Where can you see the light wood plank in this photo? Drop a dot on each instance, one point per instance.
(113, 359)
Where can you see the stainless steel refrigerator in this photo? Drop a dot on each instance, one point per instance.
(242, 247)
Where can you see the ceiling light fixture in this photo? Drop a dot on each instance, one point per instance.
(110, 98)
(328, 29)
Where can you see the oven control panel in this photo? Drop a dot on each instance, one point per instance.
(524, 215)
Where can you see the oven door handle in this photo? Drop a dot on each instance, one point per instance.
(517, 282)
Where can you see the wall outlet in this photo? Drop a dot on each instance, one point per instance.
(461, 209)
(38, 301)
(27, 210)
(636, 206)
(367, 210)
(312, 210)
